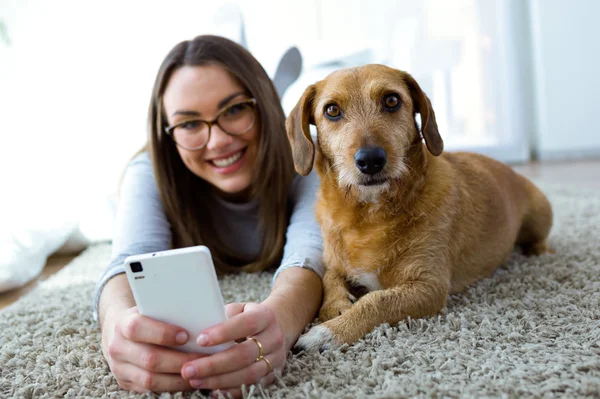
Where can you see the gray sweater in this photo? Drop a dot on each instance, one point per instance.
(141, 225)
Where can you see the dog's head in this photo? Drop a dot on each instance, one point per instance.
(365, 119)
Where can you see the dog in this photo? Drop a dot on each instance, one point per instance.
(404, 224)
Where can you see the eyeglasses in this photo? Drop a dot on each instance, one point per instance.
(235, 120)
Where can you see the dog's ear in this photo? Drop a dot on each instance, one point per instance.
(429, 128)
(298, 131)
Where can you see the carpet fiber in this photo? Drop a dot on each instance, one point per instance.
(530, 330)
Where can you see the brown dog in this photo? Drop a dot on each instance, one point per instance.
(408, 224)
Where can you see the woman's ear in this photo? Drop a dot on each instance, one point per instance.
(298, 131)
(429, 127)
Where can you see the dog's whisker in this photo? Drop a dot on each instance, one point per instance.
(403, 167)
(345, 178)
(329, 169)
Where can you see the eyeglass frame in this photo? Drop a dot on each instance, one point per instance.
(169, 129)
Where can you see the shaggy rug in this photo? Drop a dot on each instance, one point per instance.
(530, 330)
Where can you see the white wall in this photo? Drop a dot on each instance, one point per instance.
(77, 83)
(463, 53)
(75, 86)
(566, 53)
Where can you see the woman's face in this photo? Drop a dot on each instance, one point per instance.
(200, 92)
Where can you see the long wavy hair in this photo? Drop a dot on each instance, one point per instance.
(184, 194)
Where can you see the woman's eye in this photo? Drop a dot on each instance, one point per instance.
(234, 109)
(333, 112)
(190, 125)
(391, 102)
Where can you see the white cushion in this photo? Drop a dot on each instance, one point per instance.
(27, 240)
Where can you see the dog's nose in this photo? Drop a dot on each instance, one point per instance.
(370, 160)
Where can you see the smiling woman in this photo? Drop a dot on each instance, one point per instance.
(217, 171)
(222, 151)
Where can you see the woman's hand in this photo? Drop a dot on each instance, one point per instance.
(238, 365)
(130, 345)
(275, 323)
(134, 345)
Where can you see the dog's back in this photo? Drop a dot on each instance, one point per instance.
(496, 209)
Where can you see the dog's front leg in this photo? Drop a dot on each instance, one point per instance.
(336, 298)
(415, 299)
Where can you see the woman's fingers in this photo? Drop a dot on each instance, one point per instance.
(140, 328)
(150, 357)
(128, 355)
(252, 320)
(234, 358)
(134, 378)
(258, 372)
(249, 362)
(153, 358)
(233, 309)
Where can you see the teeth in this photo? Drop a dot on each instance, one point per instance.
(221, 163)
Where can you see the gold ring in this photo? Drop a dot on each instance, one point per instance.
(268, 365)
(260, 350)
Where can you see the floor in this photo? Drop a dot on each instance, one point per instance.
(53, 265)
(584, 174)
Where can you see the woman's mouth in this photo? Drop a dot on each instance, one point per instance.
(230, 160)
(229, 164)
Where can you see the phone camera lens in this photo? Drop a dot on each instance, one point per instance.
(136, 267)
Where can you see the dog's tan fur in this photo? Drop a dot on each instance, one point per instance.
(437, 223)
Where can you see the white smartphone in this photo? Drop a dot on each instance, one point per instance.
(179, 287)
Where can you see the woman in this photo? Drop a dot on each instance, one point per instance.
(217, 171)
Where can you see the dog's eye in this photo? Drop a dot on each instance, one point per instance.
(333, 112)
(391, 102)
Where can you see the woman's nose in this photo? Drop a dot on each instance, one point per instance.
(218, 138)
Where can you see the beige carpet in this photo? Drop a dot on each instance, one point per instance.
(531, 330)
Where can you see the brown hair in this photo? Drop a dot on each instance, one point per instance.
(183, 194)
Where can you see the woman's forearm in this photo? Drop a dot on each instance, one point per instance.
(115, 295)
(295, 299)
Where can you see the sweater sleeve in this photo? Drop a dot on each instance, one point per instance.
(141, 225)
(304, 245)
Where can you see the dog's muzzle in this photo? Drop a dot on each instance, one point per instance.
(370, 160)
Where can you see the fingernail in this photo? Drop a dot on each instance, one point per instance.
(202, 339)
(190, 372)
(181, 337)
(196, 383)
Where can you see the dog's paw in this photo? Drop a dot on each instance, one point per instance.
(317, 338)
(333, 309)
(537, 249)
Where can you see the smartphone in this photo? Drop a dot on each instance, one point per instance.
(179, 287)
